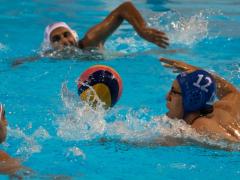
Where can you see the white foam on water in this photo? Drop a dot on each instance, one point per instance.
(190, 30)
(76, 151)
(3, 48)
(82, 122)
(30, 143)
(130, 43)
(70, 53)
(182, 29)
(85, 123)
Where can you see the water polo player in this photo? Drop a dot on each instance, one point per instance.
(192, 98)
(59, 35)
(100, 83)
(8, 165)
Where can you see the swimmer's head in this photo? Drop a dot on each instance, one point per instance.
(3, 124)
(192, 92)
(59, 35)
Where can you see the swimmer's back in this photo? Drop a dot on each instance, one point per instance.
(224, 120)
(230, 103)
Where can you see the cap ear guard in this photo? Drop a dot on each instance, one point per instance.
(193, 98)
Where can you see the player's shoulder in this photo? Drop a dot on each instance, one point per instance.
(230, 104)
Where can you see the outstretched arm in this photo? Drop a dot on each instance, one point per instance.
(8, 165)
(35, 57)
(223, 87)
(98, 34)
(19, 61)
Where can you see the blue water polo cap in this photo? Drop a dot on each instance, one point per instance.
(198, 90)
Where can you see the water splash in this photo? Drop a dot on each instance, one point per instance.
(3, 47)
(233, 72)
(181, 29)
(82, 122)
(191, 30)
(30, 143)
(131, 43)
(77, 152)
(70, 52)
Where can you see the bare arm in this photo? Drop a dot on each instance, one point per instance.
(224, 88)
(98, 34)
(35, 57)
(19, 61)
(8, 165)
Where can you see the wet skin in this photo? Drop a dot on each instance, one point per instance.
(8, 165)
(174, 102)
(98, 34)
(61, 37)
(223, 122)
(3, 125)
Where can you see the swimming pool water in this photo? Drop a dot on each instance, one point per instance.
(55, 136)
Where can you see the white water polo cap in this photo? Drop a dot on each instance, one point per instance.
(49, 29)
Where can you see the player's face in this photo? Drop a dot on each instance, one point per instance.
(174, 102)
(62, 37)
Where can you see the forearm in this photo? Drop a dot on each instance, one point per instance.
(19, 61)
(128, 12)
(223, 87)
(8, 165)
(99, 33)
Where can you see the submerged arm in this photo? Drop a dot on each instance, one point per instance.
(8, 165)
(38, 56)
(23, 60)
(98, 34)
(223, 87)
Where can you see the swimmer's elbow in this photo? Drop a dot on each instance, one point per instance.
(127, 4)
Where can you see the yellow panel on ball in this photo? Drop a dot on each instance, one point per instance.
(101, 91)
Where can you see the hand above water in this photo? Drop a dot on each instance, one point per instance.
(177, 66)
(155, 36)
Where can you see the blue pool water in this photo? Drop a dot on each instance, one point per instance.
(56, 136)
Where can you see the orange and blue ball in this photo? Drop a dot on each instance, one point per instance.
(104, 81)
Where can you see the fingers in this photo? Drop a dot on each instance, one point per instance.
(167, 66)
(163, 44)
(177, 66)
(167, 61)
(162, 35)
(162, 41)
(174, 69)
(158, 37)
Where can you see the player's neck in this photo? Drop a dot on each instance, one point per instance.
(189, 118)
